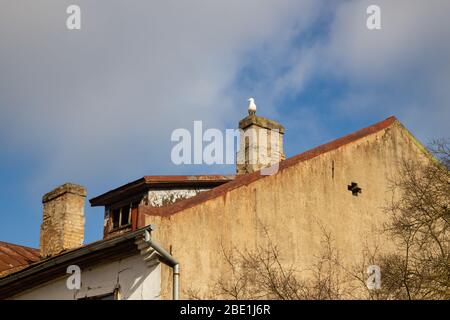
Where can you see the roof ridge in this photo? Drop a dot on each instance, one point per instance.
(246, 179)
(189, 175)
(165, 180)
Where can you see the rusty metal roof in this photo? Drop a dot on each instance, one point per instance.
(44, 270)
(246, 179)
(147, 182)
(220, 186)
(14, 257)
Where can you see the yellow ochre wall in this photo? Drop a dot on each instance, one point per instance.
(292, 205)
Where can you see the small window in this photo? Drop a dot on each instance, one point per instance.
(116, 218)
(125, 219)
(121, 217)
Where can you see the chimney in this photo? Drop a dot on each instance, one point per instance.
(63, 222)
(261, 142)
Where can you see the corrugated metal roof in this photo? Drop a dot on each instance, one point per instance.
(14, 257)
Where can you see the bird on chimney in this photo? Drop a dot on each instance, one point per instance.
(251, 106)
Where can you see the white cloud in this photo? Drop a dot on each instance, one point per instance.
(404, 65)
(97, 106)
(411, 31)
(402, 69)
(102, 101)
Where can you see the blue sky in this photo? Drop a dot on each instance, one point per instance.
(97, 106)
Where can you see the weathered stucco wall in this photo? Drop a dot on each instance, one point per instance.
(292, 205)
(164, 197)
(135, 280)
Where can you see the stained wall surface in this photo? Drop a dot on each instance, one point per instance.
(291, 208)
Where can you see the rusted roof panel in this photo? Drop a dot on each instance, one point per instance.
(147, 182)
(28, 276)
(233, 182)
(189, 179)
(246, 179)
(15, 257)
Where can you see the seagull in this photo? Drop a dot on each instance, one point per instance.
(251, 106)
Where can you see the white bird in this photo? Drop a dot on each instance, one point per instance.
(251, 106)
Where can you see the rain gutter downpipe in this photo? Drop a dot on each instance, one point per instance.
(171, 260)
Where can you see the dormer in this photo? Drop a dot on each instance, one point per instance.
(122, 204)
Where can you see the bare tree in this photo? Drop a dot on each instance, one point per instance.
(419, 223)
(262, 273)
(419, 216)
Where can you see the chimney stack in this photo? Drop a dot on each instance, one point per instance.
(63, 219)
(261, 142)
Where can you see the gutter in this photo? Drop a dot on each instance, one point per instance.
(170, 260)
(35, 269)
(70, 255)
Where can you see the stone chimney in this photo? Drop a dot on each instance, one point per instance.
(63, 222)
(261, 143)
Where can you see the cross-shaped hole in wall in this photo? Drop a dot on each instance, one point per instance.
(353, 187)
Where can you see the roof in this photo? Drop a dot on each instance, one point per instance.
(147, 182)
(14, 257)
(21, 267)
(246, 179)
(56, 266)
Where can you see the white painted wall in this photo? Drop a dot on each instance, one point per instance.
(136, 281)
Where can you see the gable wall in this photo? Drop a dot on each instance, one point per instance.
(292, 205)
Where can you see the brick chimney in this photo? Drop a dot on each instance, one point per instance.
(62, 227)
(261, 143)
